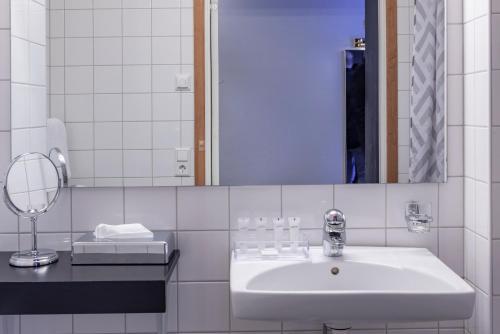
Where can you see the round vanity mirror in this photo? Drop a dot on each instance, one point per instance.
(31, 188)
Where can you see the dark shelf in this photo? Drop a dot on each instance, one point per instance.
(62, 288)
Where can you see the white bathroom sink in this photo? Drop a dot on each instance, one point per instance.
(372, 284)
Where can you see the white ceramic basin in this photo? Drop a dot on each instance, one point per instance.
(372, 284)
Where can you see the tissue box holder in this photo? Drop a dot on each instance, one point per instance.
(88, 250)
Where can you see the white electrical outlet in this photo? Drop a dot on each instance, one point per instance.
(183, 162)
(183, 81)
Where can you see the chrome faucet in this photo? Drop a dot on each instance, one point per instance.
(334, 233)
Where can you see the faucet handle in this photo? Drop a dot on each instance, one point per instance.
(334, 220)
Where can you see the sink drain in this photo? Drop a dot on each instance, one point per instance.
(335, 271)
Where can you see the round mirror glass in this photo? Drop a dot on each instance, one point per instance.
(32, 185)
(31, 188)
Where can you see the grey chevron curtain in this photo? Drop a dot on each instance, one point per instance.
(427, 114)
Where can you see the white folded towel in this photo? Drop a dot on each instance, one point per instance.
(124, 231)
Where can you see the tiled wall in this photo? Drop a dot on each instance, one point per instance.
(4, 84)
(477, 199)
(495, 151)
(405, 50)
(112, 67)
(28, 74)
(204, 218)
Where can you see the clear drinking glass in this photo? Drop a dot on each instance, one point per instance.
(418, 216)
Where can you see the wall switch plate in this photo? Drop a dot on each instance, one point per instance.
(183, 162)
(183, 81)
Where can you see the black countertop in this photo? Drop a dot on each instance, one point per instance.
(62, 288)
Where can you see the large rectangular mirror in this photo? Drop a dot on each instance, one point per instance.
(233, 92)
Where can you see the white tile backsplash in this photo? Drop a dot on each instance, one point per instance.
(204, 306)
(363, 204)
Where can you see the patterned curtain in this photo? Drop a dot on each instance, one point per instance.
(427, 114)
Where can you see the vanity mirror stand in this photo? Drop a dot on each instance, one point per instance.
(32, 187)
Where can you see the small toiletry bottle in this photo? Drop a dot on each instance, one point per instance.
(278, 225)
(243, 224)
(294, 224)
(261, 225)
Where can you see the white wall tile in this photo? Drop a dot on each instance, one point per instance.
(37, 65)
(166, 106)
(98, 323)
(166, 50)
(107, 107)
(136, 50)
(5, 14)
(57, 25)
(469, 44)
(496, 270)
(108, 79)
(108, 4)
(78, 80)
(495, 210)
(36, 23)
(483, 272)
(166, 22)
(137, 107)
(455, 151)
(108, 135)
(451, 248)
(5, 105)
(495, 37)
(153, 207)
(164, 78)
(400, 237)
(242, 325)
(141, 322)
(187, 50)
(19, 69)
(203, 307)
(186, 22)
(82, 165)
(455, 106)
(137, 22)
(57, 78)
(212, 208)
(80, 136)
(136, 78)
(451, 199)
(307, 202)
(91, 207)
(79, 108)
(166, 135)
(137, 135)
(21, 105)
(107, 22)
(482, 208)
(108, 50)
(78, 4)
(78, 23)
(193, 267)
(136, 3)
(46, 324)
(137, 163)
(482, 39)
(363, 205)
(254, 202)
(19, 20)
(365, 237)
(108, 164)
